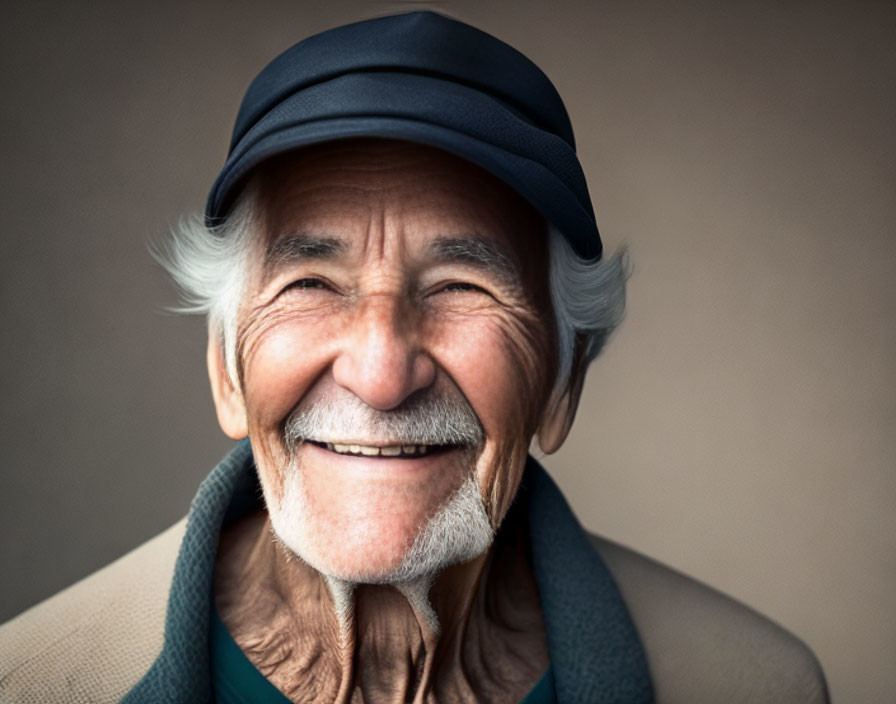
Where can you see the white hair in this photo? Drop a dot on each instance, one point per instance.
(588, 297)
(210, 266)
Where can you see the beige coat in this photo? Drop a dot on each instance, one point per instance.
(94, 640)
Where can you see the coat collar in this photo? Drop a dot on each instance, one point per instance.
(594, 648)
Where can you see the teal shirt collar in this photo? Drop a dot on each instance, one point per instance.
(595, 652)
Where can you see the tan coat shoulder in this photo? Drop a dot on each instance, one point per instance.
(94, 640)
(703, 646)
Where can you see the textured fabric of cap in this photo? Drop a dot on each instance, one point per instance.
(424, 78)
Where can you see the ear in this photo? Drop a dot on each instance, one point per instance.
(560, 411)
(229, 403)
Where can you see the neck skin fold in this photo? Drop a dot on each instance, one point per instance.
(474, 632)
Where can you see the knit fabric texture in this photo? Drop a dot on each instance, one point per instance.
(595, 651)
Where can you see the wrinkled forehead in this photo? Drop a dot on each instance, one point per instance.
(349, 187)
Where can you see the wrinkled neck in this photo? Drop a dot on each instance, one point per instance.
(394, 640)
(322, 639)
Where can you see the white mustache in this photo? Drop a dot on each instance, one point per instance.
(424, 419)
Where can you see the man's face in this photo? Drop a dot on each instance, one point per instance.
(392, 281)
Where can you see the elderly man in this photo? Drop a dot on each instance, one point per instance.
(404, 286)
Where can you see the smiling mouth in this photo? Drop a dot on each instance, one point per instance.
(393, 451)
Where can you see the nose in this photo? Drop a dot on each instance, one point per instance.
(380, 359)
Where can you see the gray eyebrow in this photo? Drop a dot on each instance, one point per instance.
(300, 247)
(484, 254)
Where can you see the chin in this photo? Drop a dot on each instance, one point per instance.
(381, 541)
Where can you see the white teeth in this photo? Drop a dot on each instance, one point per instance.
(374, 450)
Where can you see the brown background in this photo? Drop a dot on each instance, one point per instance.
(741, 425)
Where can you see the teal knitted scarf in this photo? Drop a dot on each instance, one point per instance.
(594, 649)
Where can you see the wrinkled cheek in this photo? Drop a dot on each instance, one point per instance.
(279, 366)
(530, 353)
(271, 458)
(527, 380)
(277, 375)
(272, 462)
(502, 478)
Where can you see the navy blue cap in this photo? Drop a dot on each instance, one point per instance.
(423, 78)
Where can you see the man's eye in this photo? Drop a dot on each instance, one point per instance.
(460, 286)
(307, 283)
